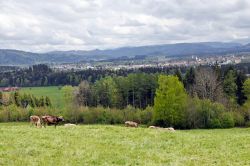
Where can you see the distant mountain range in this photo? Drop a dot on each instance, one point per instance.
(16, 57)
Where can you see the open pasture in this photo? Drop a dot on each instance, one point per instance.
(117, 145)
(53, 92)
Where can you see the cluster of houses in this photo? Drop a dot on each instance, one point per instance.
(157, 61)
(9, 89)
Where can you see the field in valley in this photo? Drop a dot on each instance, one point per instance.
(117, 145)
(53, 92)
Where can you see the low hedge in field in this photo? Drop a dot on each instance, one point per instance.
(204, 115)
(100, 115)
(86, 115)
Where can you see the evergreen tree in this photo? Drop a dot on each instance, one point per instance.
(37, 102)
(189, 80)
(47, 102)
(229, 84)
(41, 102)
(178, 74)
(246, 88)
(32, 101)
(1, 98)
(24, 100)
(239, 93)
(17, 99)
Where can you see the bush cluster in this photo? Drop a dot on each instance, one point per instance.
(86, 115)
(101, 115)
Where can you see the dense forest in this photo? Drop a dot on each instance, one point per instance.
(42, 75)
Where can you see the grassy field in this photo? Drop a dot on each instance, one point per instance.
(117, 145)
(53, 92)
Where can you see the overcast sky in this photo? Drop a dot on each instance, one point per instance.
(45, 25)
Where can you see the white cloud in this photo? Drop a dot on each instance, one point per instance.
(88, 24)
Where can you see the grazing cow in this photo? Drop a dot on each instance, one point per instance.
(69, 125)
(51, 120)
(35, 120)
(168, 129)
(131, 124)
(171, 129)
(153, 127)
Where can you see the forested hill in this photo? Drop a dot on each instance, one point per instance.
(16, 57)
(42, 75)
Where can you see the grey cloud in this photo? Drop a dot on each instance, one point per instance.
(88, 24)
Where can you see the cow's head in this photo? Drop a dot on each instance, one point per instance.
(61, 118)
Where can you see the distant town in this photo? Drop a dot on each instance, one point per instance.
(159, 61)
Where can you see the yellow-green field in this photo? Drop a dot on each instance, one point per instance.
(53, 92)
(117, 145)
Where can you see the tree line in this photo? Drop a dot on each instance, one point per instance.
(138, 90)
(42, 75)
(24, 100)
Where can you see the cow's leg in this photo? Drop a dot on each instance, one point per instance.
(31, 123)
(34, 124)
(38, 124)
(42, 123)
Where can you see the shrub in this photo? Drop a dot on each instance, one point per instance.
(4, 115)
(227, 120)
(13, 113)
(131, 114)
(146, 115)
(203, 114)
(238, 118)
(71, 113)
(248, 124)
(215, 123)
(101, 115)
(40, 111)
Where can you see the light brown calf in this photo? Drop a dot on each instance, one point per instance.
(35, 120)
(131, 124)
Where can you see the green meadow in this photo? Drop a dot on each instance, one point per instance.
(53, 92)
(22, 144)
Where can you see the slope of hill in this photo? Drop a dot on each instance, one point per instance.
(15, 57)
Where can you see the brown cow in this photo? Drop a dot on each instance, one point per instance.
(51, 120)
(131, 124)
(35, 120)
